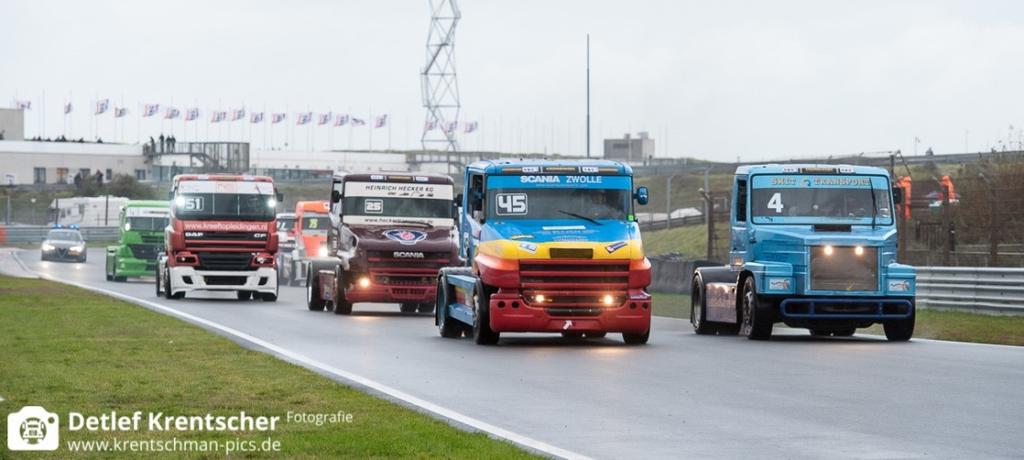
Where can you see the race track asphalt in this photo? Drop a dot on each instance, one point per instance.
(680, 396)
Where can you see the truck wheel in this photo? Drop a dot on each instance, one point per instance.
(698, 310)
(757, 319)
(425, 308)
(834, 332)
(636, 339)
(407, 307)
(900, 330)
(482, 333)
(244, 295)
(269, 296)
(341, 305)
(448, 327)
(167, 285)
(158, 282)
(595, 335)
(572, 335)
(313, 300)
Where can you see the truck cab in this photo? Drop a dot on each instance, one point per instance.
(222, 237)
(141, 225)
(309, 236)
(811, 246)
(389, 235)
(550, 246)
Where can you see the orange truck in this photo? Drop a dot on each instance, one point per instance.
(311, 223)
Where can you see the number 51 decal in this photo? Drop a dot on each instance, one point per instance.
(511, 204)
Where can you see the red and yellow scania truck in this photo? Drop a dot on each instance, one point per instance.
(310, 233)
(222, 237)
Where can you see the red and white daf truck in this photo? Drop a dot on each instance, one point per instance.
(389, 235)
(222, 237)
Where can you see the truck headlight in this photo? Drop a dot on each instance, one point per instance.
(47, 247)
(778, 284)
(323, 251)
(899, 285)
(364, 282)
(77, 248)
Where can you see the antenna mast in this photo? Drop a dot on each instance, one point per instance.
(439, 86)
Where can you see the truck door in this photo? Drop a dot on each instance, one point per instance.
(740, 239)
(334, 229)
(472, 216)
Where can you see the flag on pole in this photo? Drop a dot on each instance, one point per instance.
(469, 127)
(278, 117)
(256, 117)
(217, 117)
(451, 127)
(430, 125)
(149, 110)
(191, 114)
(304, 118)
(324, 119)
(120, 112)
(357, 121)
(381, 121)
(172, 113)
(341, 120)
(238, 114)
(67, 108)
(102, 106)
(23, 105)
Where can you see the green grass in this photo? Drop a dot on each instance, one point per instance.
(931, 324)
(71, 350)
(690, 240)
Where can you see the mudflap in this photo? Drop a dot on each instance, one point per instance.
(325, 270)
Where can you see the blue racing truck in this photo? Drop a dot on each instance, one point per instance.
(549, 246)
(812, 246)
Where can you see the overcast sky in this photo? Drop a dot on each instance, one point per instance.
(720, 80)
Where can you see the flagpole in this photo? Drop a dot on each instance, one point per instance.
(389, 134)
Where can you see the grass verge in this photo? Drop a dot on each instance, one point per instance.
(70, 350)
(690, 240)
(931, 324)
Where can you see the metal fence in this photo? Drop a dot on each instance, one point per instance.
(27, 234)
(981, 289)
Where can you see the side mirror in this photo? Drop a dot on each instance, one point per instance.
(170, 195)
(279, 196)
(335, 196)
(455, 210)
(458, 198)
(641, 195)
(478, 216)
(897, 195)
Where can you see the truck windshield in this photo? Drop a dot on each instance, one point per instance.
(397, 207)
(558, 203)
(312, 223)
(820, 199)
(285, 224)
(147, 224)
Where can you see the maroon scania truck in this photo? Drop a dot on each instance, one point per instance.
(389, 235)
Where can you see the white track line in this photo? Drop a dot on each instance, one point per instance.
(431, 408)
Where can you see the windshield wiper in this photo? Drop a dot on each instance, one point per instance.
(573, 214)
(414, 222)
(874, 208)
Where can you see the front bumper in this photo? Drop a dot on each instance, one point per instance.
(867, 308)
(186, 279)
(510, 312)
(391, 293)
(63, 254)
(135, 267)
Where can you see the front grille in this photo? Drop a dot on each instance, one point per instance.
(224, 261)
(144, 251)
(224, 280)
(414, 271)
(153, 239)
(560, 274)
(844, 269)
(251, 236)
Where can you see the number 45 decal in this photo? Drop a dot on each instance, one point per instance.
(776, 203)
(511, 204)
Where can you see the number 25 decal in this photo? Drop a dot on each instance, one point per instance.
(776, 202)
(511, 204)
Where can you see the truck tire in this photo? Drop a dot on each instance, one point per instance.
(159, 281)
(834, 332)
(407, 307)
(698, 310)
(448, 327)
(341, 305)
(632, 338)
(244, 295)
(572, 335)
(757, 316)
(595, 335)
(313, 299)
(900, 330)
(425, 307)
(482, 333)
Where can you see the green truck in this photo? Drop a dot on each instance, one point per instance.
(142, 226)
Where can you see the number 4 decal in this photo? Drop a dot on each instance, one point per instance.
(776, 203)
(511, 204)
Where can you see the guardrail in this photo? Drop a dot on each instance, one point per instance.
(29, 234)
(999, 290)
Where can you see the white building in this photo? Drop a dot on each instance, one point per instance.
(29, 162)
